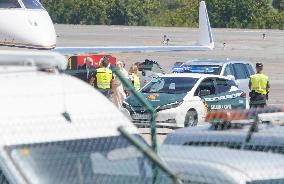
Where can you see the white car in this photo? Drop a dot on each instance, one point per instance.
(237, 70)
(183, 99)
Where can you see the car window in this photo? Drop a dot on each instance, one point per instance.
(206, 84)
(32, 4)
(9, 4)
(80, 161)
(240, 71)
(228, 70)
(172, 85)
(210, 69)
(250, 69)
(223, 85)
(3, 179)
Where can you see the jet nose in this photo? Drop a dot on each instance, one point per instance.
(29, 28)
(42, 33)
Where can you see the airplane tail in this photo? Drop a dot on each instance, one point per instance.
(205, 37)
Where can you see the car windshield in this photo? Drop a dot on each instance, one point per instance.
(173, 85)
(9, 4)
(99, 160)
(209, 69)
(32, 4)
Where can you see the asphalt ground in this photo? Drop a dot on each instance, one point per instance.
(240, 44)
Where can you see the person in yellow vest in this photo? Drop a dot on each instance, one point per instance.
(259, 86)
(134, 77)
(103, 77)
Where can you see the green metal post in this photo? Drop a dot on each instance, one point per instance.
(150, 154)
(145, 102)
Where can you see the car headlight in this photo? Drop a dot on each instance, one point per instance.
(169, 106)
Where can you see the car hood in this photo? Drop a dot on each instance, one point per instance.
(156, 99)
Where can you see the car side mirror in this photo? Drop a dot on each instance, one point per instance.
(204, 92)
(231, 77)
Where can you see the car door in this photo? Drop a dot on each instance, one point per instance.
(207, 92)
(228, 95)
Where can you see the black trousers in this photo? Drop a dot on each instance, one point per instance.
(257, 100)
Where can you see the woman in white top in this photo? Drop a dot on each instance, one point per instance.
(118, 94)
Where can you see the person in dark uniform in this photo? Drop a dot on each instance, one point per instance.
(86, 70)
(259, 86)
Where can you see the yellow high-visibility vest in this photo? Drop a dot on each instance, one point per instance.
(136, 81)
(259, 83)
(104, 77)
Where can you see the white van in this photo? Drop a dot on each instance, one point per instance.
(54, 128)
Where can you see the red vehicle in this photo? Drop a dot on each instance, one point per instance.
(75, 61)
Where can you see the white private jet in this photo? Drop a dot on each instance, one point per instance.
(26, 23)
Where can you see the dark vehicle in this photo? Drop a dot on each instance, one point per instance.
(267, 137)
(149, 69)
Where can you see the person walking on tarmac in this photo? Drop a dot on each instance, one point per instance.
(103, 77)
(259, 86)
(134, 77)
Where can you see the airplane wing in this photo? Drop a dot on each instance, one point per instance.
(205, 41)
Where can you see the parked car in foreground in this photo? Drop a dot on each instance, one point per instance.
(267, 137)
(208, 165)
(183, 100)
(240, 71)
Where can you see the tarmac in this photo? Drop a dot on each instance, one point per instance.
(238, 44)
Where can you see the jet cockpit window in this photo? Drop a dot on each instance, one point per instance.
(9, 4)
(32, 4)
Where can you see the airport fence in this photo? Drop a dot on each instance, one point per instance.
(231, 146)
(53, 131)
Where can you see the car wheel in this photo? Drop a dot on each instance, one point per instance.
(190, 118)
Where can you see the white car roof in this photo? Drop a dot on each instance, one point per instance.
(220, 164)
(192, 75)
(219, 62)
(32, 103)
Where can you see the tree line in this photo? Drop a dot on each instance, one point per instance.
(262, 14)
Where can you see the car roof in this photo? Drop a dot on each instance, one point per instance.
(222, 163)
(35, 107)
(192, 75)
(219, 62)
(267, 135)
